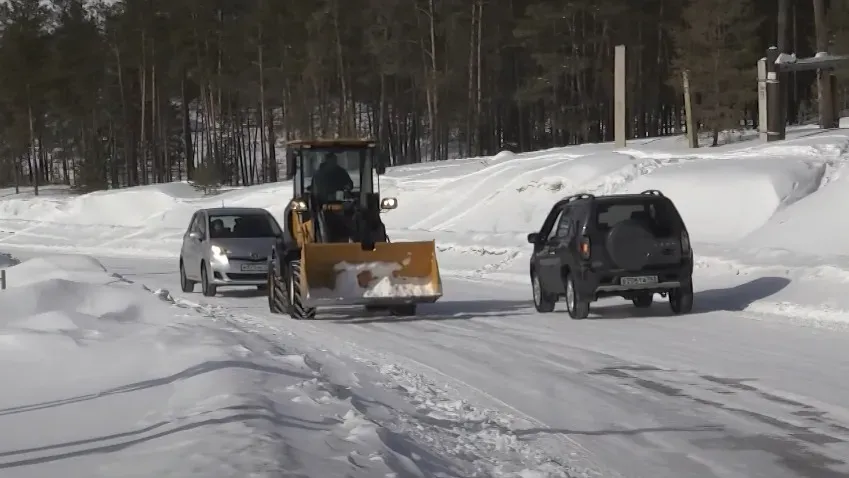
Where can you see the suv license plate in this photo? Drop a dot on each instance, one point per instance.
(254, 268)
(640, 280)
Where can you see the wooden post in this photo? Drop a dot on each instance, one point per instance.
(692, 134)
(763, 111)
(619, 105)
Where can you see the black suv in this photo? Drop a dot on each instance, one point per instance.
(627, 245)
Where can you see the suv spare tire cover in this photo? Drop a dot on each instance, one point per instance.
(629, 245)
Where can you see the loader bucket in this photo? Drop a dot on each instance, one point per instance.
(391, 274)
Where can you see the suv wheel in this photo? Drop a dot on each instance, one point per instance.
(542, 302)
(578, 309)
(681, 299)
(643, 301)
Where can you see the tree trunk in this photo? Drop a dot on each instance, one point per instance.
(824, 93)
(33, 158)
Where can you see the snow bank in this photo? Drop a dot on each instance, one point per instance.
(113, 379)
(512, 195)
(141, 221)
(817, 225)
(130, 382)
(723, 201)
(475, 208)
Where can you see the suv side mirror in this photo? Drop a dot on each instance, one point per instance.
(196, 236)
(291, 163)
(533, 237)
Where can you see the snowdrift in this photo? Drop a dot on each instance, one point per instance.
(131, 382)
(817, 225)
(479, 207)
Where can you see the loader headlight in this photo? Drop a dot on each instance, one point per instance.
(388, 203)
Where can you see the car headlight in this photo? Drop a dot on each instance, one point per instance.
(218, 251)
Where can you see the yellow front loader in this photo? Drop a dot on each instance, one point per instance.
(335, 250)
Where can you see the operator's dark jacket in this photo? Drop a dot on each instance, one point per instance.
(329, 179)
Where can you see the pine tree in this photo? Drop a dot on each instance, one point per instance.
(716, 43)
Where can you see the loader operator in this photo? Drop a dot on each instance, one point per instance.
(328, 180)
(331, 178)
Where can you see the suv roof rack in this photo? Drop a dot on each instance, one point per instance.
(652, 192)
(576, 197)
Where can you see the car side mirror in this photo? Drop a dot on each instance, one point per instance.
(291, 164)
(196, 236)
(533, 237)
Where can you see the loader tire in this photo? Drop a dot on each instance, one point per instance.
(276, 293)
(297, 310)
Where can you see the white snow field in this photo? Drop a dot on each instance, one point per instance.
(105, 373)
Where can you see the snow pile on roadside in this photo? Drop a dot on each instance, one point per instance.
(475, 208)
(130, 382)
(723, 201)
(817, 225)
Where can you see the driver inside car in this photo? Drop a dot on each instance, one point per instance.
(331, 178)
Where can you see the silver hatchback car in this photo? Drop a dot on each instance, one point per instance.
(227, 247)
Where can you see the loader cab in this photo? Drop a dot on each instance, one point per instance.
(358, 158)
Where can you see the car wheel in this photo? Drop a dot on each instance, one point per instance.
(643, 301)
(297, 310)
(543, 302)
(186, 285)
(578, 309)
(681, 299)
(209, 290)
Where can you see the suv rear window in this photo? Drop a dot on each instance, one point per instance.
(659, 215)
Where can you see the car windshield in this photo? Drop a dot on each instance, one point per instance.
(240, 226)
(659, 215)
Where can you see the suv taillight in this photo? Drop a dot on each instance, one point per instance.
(685, 242)
(584, 248)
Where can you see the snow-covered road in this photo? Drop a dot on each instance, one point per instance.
(633, 393)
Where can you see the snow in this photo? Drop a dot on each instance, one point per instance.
(786, 58)
(111, 378)
(375, 279)
(115, 374)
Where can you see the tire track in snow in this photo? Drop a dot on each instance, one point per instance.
(437, 401)
(496, 191)
(459, 199)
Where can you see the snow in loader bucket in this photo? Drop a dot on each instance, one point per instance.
(391, 274)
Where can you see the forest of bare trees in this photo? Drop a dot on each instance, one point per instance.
(129, 92)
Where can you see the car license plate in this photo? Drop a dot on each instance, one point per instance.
(639, 280)
(254, 267)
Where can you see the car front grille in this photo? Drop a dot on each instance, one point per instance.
(248, 258)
